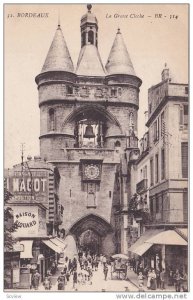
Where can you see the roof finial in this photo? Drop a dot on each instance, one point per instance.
(58, 19)
(89, 7)
(165, 65)
(118, 30)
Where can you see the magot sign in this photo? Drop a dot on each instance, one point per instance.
(25, 184)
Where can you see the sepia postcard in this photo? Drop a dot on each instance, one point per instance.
(96, 134)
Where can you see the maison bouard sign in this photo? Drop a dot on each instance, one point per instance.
(27, 186)
(30, 220)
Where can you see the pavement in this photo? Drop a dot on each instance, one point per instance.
(99, 284)
(133, 278)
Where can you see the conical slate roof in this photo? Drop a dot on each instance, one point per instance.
(58, 57)
(119, 61)
(89, 62)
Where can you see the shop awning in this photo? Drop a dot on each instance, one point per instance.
(52, 246)
(183, 232)
(140, 250)
(168, 237)
(58, 242)
(139, 246)
(27, 249)
(159, 237)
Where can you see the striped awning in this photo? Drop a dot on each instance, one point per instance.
(52, 246)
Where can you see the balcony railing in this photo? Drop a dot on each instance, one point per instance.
(141, 186)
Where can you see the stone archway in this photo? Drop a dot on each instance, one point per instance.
(95, 233)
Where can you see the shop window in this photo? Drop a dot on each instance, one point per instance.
(51, 119)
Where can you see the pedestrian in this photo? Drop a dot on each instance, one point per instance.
(61, 281)
(67, 276)
(141, 288)
(162, 279)
(104, 260)
(134, 265)
(178, 280)
(36, 280)
(149, 277)
(139, 269)
(65, 268)
(153, 280)
(47, 283)
(140, 279)
(171, 277)
(185, 282)
(105, 271)
(75, 279)
(158, 277)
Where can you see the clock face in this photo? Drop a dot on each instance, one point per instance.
(92, 171)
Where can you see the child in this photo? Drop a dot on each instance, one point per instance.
(47, 283)
(141, 289)
(140, 279)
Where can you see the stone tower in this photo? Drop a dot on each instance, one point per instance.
(89, 131)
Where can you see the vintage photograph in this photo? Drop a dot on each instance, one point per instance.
(96, 133)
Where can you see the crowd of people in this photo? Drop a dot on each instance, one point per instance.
(78, 270)
(158, 278)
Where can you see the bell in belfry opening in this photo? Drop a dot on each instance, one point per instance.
(89, 134)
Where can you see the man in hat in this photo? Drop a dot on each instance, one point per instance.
(61, 281)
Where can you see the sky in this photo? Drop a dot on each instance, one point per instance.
(151, 42)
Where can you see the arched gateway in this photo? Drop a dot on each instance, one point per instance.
(93, 233)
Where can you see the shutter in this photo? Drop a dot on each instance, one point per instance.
(181, 116)
(185, 206)
(184, 155)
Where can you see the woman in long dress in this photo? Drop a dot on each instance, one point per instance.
(149, 277)
(153, 280)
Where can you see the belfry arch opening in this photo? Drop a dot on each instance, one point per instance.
(91, 123)
(91, 233)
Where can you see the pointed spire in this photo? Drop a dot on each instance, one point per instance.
(89, 62)
(119, 61)
(58, 57)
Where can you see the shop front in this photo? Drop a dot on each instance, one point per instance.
(31, 221)
(161, 249)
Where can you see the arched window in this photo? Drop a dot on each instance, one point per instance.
(131, 119)
(91, 37)
(117, 144)
(51, 119)
(83, 38)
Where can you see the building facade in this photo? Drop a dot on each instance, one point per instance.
(37, 214)
(89, 132)
(165, 159)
